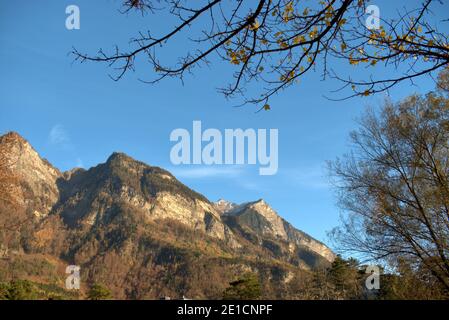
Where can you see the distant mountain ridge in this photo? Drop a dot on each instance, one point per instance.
(259, 217)
(141, 230)
(223, 206)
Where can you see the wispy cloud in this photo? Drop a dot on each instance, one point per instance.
(240, 176)
(313, 177)
(202, 172)
(307, 177)
(58, 135)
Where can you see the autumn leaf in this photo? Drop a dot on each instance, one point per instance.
(254, 26)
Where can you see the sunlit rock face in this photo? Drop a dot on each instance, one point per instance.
(223, 206)
(87, 196)
(261, 219)
(33, 180)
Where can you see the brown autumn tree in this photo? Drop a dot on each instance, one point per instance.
(409, 283)
(394, 185)
(275, 42)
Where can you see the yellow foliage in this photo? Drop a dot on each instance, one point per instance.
(313, 33)
(299, 39)
(342, 22)
(255, 25)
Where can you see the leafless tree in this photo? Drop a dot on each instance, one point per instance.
(394, 186)
(275, 42)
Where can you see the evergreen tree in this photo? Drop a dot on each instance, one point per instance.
(99, 292)
(245, 288)
(345, 277)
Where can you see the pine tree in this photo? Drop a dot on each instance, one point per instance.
(245, 288)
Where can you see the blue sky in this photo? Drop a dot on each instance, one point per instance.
(75, 115)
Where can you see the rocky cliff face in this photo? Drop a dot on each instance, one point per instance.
(223, 206)
(139, 228)
(261, 221)
(87, 196)
(35, 179)
(261, 218)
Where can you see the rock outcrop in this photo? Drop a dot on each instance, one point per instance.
(33, 183)
(259, 219)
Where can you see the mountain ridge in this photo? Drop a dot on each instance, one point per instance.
(83, 216)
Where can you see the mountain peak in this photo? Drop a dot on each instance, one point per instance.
(223, 201)
(13, 137)
(259, 216)
(32, 174)
(260, 205)
(260, 201)
(224, 206)
(15, 147)
(118, 156)
(122, 159)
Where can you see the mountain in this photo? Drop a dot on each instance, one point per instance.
(223, 206)
(139, 230)
(88, 196)
(258, 220)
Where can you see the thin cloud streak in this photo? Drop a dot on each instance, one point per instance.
(207, 172)
(58, 135)
(313, 177)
